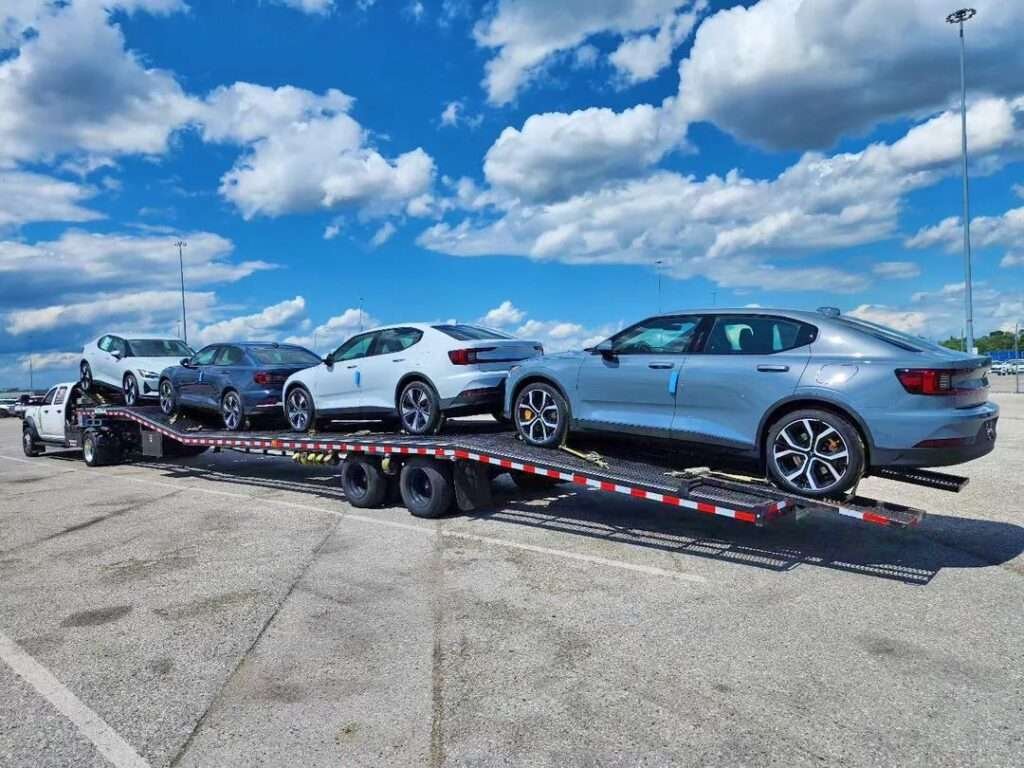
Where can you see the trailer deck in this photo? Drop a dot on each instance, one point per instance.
(746, 499)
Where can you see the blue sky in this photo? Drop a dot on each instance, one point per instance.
(537, 165)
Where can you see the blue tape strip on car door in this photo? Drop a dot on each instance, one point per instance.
(358, 377)
(673, 381)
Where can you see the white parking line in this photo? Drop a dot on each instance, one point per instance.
(649, 570)
(118, 751)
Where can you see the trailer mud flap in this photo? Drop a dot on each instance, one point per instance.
(472, 486)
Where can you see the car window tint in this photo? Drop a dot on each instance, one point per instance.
(284, 356)
(118, 345)
(356, 347)
(394, 340)
(48, 400)
(58, 398)
(756, 335)
(205, 356)
(656, 336)
(229, 356)
(159, 348)
(462, 332)
(104, 344)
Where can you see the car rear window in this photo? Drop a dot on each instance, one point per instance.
(470, 332)
(891, 336)
(159, 348)
(284, 356)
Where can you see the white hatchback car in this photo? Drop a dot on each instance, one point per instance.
(415, 373)
(130, 363)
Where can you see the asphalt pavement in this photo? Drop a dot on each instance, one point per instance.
(235, 611)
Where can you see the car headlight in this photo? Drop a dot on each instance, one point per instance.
(149, 374)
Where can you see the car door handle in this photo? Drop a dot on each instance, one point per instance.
(660, 366)
(773, 368)
(397, 359)
(350, 367)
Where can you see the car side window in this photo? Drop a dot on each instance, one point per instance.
(757, 335)
(205, 355)
(58, 398)
(104, 344)
(118, 345)
(229, 356)
(354, 348)
(394, 340)
(671, 335)
(48, 400)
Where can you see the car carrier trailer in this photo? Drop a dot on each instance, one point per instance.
(432, 475)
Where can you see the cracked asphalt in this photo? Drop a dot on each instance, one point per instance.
(234, 611)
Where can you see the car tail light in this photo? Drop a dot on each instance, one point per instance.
(467, 356)
(262, 378)
(927, 381)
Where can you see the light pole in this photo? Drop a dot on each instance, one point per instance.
(657, 265)
(958, 18)
(181, 267)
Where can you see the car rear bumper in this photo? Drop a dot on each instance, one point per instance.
(262, 400)
(482, 395)
(965, 436)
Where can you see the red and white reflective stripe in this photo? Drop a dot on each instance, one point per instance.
(867, 517)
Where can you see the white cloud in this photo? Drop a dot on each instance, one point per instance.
(320, 7)
(556, 154)
(504, 314)
(642, 57)
(560, 336)
(27, 197)
(382, 235)
(793, 74)
(450, 114)
(896, 270)
(331, 231)
(263, 325)
(45, 361)
(986, 231)
(329, 335)
(528, 33)
(138, 311)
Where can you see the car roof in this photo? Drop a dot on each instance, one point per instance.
(794, 313)
(141, 336)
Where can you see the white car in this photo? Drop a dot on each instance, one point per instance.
(129, 363)
(416, 373)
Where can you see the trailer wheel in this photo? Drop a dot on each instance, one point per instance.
(426, 487)
(29, 444)
(530, 482)
(363, 482)
(99, 449)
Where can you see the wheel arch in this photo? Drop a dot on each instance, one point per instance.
(801, 402)
(541, 378)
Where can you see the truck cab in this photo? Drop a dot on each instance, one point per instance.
(53, 421)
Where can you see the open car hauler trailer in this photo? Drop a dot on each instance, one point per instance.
(435, 474)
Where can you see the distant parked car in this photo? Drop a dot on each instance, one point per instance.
(238, 381)
(7, 405)
(130, 364)
(816, 398)
(415, 373)
(1008, 367)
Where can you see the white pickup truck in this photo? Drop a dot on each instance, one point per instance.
(53, 421)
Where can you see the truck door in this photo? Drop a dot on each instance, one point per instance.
(52, 414)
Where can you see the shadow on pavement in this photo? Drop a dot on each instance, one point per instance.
(911, 556)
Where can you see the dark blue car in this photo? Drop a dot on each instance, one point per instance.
(240, 380)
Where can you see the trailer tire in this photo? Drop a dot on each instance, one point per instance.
(99, 449)
(533, 483)
(364, 483)
(426, 487)
(30, 442)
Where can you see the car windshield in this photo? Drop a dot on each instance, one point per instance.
(284, 356)
(890, 335)
(471, 332)
(159, 348)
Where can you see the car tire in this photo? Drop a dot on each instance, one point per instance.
(299, 409)
(232, 411)
(815, 453)
(541, 415)
(30, 442)
(168, 400)
(85, 380)
(99, 449)
(364, 484)
(426, 487)
(130, 389)
(419, 409)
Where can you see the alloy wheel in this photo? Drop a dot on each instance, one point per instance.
(415, 408)
(166, 397)
(298, 409)
(86, 376)
(811, 455)
(537, 414)
(131, 390)
(231, 411)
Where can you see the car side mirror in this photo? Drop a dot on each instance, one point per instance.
(117, 355)
(605, 350)
(328, 361)
(186, 362)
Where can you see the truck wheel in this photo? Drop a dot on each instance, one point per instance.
(426, 487)
(29, 444)
(530, 482)
(814, 453)
(364, 484)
